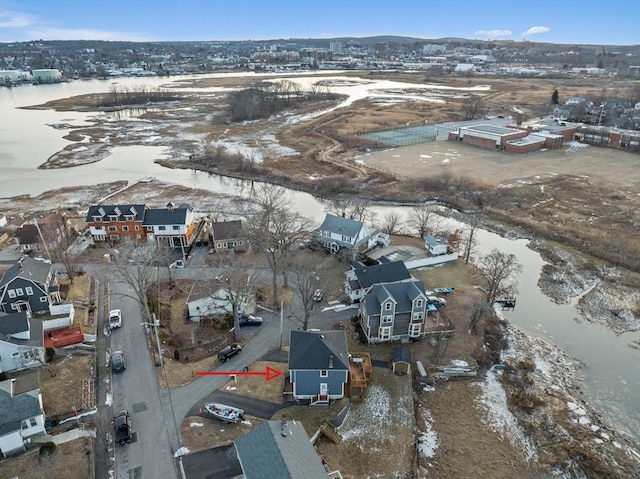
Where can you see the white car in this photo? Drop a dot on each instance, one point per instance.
(115, 319)
(177, 264)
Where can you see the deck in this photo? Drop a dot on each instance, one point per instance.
(57, 338)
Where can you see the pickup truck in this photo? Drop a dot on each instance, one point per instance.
(122, 427)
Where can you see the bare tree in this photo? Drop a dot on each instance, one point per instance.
(138, 266)
(348, 208)
(273, 229)
(500, 273)
(478, 310)
(469, 239)
(392, 223)
(420, 218)
(306, 279)
(471, 106)
(239, 289)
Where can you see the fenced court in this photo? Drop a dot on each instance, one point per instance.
(403, 136)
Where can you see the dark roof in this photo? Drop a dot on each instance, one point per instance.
(217, 463)
(402, 293)
(227, 230)
(340, 225)
(278, 450)
(13, 323)
(165, 216)
(381, 273)
(312, 350)
(401, 355)
(27, 234)
(33, 269)
(17, 408)
(110, 210)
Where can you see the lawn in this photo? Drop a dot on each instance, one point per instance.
(62, 391)
(72, 460)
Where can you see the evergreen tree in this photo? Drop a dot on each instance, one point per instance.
(554, 97)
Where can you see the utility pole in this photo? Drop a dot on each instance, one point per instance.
(281, 321)
(46, 249)
(156, 323)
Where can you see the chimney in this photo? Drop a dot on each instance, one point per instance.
(13, 388)
(331, 361)
(283, 425)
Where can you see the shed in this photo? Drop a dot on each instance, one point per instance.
(401, 361)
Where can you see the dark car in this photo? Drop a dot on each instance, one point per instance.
(228, 352)
(122, 427)
(250, 321)
(118, 362)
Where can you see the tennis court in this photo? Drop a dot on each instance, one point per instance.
(409, 135)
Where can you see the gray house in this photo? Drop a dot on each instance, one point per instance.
(279, 449)
(318, 365)
(344, 234)
(26, 286)
(21, 342)
(394, 312)
(361, 278)
(22, 413)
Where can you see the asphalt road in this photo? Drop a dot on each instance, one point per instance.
(149, 455)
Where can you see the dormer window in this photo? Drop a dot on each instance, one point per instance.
(113, 218)
(129, 217)
(97, 218)
(387, 306)
(419, 303)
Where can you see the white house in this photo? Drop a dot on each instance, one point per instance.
(22, 413)
(436, 245)
(338, 233)
(21, 342)
(218, 303)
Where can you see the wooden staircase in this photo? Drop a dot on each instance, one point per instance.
(330, 431)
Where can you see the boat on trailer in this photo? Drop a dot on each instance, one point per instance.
(445, 290)
(225, 413)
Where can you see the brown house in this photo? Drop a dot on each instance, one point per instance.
(228, 236)
(114, 223)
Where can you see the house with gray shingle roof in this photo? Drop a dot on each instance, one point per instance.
(339, 234)
(21, 342)
(394, 312)
(360, 278)
(26, 286)
(171, 226)
(22, 413)
(228, 236)
(279, 449)
(318, 365)
(114, 223)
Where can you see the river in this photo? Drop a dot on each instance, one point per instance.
(27, 139)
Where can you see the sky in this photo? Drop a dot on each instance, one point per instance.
(598, 22)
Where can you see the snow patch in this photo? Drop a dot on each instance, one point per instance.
(196, 424)
(108, 401)
(493, 398)
(428, 440)
(183, 451)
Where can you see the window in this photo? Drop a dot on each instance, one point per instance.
(113, 217)
(162, 228)
(97, 219)
(44, 299)
(33, 421)
(346, 239)
(387, 318)
(387, 306)
(15, 355)
(19, 292)
(385, 332)
(138, 237)
(218, 245)
(324, 373)
(417, 315)
(128, 217)
(125, 228)
(12, 293)
(136, 228)
(419, 303)
(113, 228)
(176, 228)
(98, 228)
(240, 243)
(24, 425)
(29, 290)
(414, 330)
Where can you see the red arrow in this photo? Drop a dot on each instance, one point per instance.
(269, 373)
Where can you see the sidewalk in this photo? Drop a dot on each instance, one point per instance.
(63, 437)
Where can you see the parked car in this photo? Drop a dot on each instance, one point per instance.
(118, 362)
(122, 427)
(318, 295)
(177, 264)
(250, 321)
(115, 319)
(228, 352)
(437, 301)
